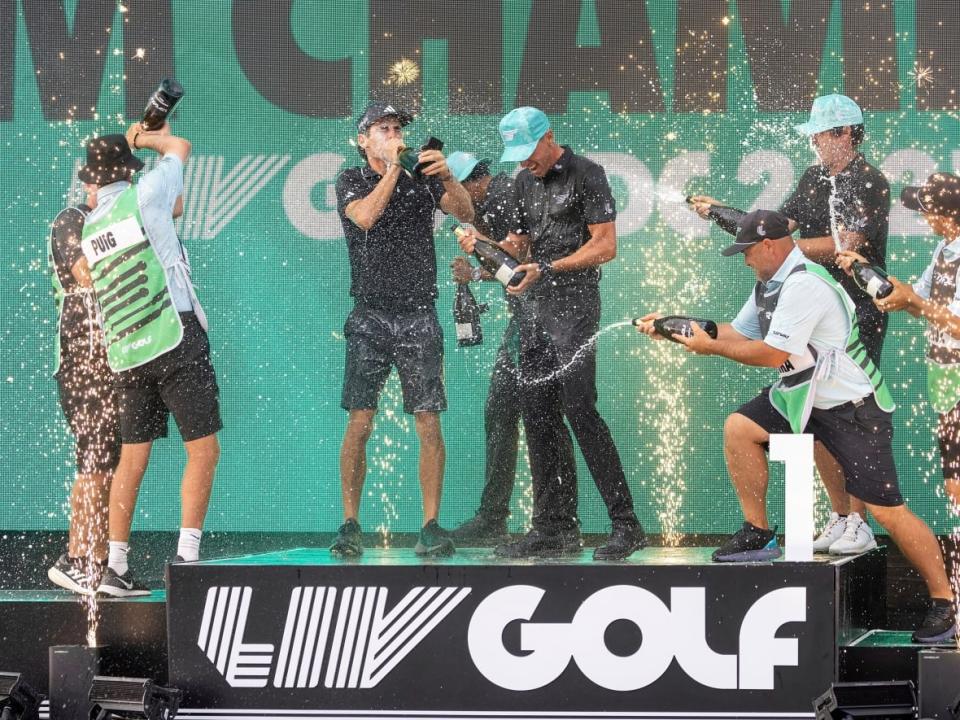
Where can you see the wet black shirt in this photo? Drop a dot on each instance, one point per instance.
(496, 214)
(65, 236)
(555, 211)
(394, 264)
(862, 205)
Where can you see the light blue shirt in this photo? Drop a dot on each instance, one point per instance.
(809, 312)
(157, 192)
(923, 286)
(951, 251)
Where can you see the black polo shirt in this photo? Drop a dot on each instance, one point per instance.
(65, 236)
(555, 211)
(496, 214)
(394, 264)
(862, 205)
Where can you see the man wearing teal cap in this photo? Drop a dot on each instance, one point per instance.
(565, 222)
(841, 203)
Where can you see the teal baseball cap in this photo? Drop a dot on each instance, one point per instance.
(521, 130)
(461, 164)
(831, 111)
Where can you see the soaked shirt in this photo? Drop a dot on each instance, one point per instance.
(394, 263)
(862, 204)
(555, 211)
(65, 236)
(496, 214)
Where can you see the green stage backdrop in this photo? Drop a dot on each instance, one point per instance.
(671, 97)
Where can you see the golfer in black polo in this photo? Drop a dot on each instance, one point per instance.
(566, 219)
(387, 219)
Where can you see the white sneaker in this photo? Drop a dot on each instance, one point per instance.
(857, 537)
(831, 533)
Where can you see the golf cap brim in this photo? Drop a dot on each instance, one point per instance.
(519, 153)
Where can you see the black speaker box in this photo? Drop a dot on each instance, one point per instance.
(938, 676)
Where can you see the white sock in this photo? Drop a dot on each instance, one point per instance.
(118, 557)
(189, 545)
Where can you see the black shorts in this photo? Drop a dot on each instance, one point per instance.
(89, 402)
(411, 340)
(181, 381)
(858, 434)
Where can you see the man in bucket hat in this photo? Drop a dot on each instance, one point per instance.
(841, 203)
(156, 334)
(800, 320)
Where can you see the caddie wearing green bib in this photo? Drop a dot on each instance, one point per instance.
(155, 332)
(800, 320)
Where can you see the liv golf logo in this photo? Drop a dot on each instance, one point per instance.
(347, 638)
(365, 640)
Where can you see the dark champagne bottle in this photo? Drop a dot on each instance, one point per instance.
(671, 326)
(495, 260)
(466, 317)
(409, 158)
(872, 280)
(726, 217)
(161, 104)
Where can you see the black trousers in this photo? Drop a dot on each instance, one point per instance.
(558, 363)
(501, 424)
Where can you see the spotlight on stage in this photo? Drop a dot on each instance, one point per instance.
(123, 697)
(861, 700)
(18, 701)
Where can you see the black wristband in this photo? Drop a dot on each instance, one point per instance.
(546, 268)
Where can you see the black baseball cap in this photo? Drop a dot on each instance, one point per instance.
(757, 226)
(377, 110)
(939, 195)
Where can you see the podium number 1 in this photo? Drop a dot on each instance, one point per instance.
(796, 453)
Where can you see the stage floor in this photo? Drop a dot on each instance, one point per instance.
(472, 557)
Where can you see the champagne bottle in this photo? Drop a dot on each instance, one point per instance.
(408, 158)
(466, 317)
(161, 104)
(726, 217)
(495, 260)
(872, 280)
(671, 326)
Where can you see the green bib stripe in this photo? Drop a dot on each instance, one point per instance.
(880, 389)
(139, 318)
(794, 393)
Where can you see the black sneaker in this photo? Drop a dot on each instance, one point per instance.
(71, 574)
(939, 624)
(748, 544)
(434, 541)
(537, 543)
(349, 540)
(623, 542)
(120, 586)
(481, 531)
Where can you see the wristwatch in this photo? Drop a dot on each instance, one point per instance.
(546, 267)
(475, 274)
